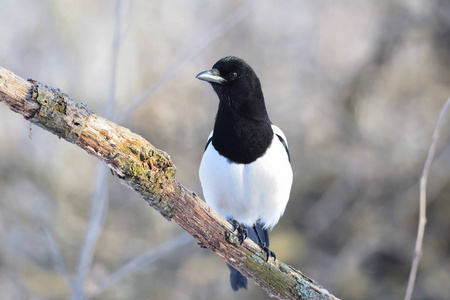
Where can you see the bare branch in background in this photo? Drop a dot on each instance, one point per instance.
(97, 218)
(143, 261)
(423, 202)
(57, 258)
(151, 173)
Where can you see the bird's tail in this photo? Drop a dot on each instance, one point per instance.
(238, 280)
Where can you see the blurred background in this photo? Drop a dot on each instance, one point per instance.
(356, 86)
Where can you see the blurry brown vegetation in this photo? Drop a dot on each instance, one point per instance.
(356, 87)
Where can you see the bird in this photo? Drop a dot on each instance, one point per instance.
(245, 172)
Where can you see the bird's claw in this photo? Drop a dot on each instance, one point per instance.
(241, 230)
(269, 252)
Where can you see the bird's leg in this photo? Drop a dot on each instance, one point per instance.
(241, 230)
(264, 246)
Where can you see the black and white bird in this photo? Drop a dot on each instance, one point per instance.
(245, 172)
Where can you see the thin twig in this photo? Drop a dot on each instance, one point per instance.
(56, 257)
(423, 203)
(96, 220)
(212, 35)
(143, 260)
(109, 113)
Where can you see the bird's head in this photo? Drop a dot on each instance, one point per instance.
(237, 86)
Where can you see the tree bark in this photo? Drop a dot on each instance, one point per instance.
(151, 173)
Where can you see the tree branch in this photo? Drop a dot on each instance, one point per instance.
(151, 173)
(423, 203)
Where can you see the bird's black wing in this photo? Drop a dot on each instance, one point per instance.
(209, 142)
(284, 144)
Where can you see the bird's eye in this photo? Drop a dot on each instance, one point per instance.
(233, 75)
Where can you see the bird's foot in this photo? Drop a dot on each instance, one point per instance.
(236, 239)
(268, 251)
(241, 230)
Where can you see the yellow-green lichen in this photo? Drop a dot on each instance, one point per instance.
(150, 177)
(284, 268)
(266, 271)
(57, 112)
(134, 148)
(61, 105)
(145, 153)
(277, 280)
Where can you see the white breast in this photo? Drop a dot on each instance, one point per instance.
(248, 192)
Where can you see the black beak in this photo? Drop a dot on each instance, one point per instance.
(211, 76)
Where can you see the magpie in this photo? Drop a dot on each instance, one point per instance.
(245, 172)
